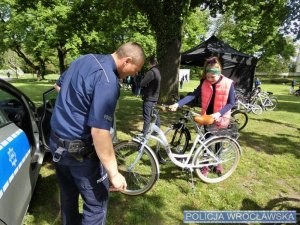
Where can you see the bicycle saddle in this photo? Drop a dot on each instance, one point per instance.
(204, 119)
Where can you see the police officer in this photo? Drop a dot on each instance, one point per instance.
(80, 123)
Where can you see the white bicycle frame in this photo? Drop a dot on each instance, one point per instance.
(187, 164)
(241, 105)
(265, 100)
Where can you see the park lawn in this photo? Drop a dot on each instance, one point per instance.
(267, 176)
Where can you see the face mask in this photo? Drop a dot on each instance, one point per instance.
(213, 71)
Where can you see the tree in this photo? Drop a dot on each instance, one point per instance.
(195, 28)
(272, 47)
(257, 25)
(166, 19)
(291, 23)
(37, 30)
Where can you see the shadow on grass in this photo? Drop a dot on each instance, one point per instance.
(273, 143)
(44, 205)
(283, 203)
(129, 114)
(134, 209)
(288, 103)
(276, 122)
(270, 144)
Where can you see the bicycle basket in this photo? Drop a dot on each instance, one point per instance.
(231, 130)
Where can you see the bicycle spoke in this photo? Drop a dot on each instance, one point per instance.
(140, 174)
(222, 160)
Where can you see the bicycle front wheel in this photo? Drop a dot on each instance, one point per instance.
(219, 162)
(241, 118)
(270, 103)
(140, 174)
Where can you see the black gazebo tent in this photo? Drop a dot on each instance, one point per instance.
(236, 65)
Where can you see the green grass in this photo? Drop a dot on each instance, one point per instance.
(267, 176)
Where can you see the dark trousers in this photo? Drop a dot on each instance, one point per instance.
(147, 108)
(88, 179)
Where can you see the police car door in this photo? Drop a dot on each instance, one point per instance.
(49, 98)
(20, 153)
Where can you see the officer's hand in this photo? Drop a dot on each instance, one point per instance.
(118, 183)
(173, 107)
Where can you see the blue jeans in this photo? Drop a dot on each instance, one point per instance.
(87, 178)
(147, 107)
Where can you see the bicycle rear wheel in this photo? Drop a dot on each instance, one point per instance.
(223, 161)
(141, 175)
(256, 109)
(270, 103)
(178, 138)
(241, 118)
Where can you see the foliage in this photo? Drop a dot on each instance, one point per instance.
(166, 19)
(292, 22)
(57, 31)
(273, 64)
(66, 29)
(273, 49)
(254, 28)
(196, 26)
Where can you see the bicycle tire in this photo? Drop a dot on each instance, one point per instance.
(256, 109)
(178, 138)
(141, 178)
(227, 147)
(270, 103)
(241, 118)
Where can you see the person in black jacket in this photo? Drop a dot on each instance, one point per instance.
(150, 85)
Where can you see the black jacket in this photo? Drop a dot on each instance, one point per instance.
(151, 85)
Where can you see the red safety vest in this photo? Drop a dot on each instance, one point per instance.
(221, 97)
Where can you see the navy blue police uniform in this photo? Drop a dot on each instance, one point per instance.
(87, 98)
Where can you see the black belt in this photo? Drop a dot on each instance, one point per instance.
(77, 148)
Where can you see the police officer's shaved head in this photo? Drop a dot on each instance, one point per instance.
(133, 50)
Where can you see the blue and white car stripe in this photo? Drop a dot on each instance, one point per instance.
(13, 152)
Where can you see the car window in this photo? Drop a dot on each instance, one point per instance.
(3, 119)
(11, 109)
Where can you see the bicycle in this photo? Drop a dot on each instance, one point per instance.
(240, 118)
(179, 136)
(265, 99)
(243, 103)
(138, 163)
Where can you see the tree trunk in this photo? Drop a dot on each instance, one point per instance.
(23, 56)
(41, 71)
(169, 80)
(61, 59)
(166, 19)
